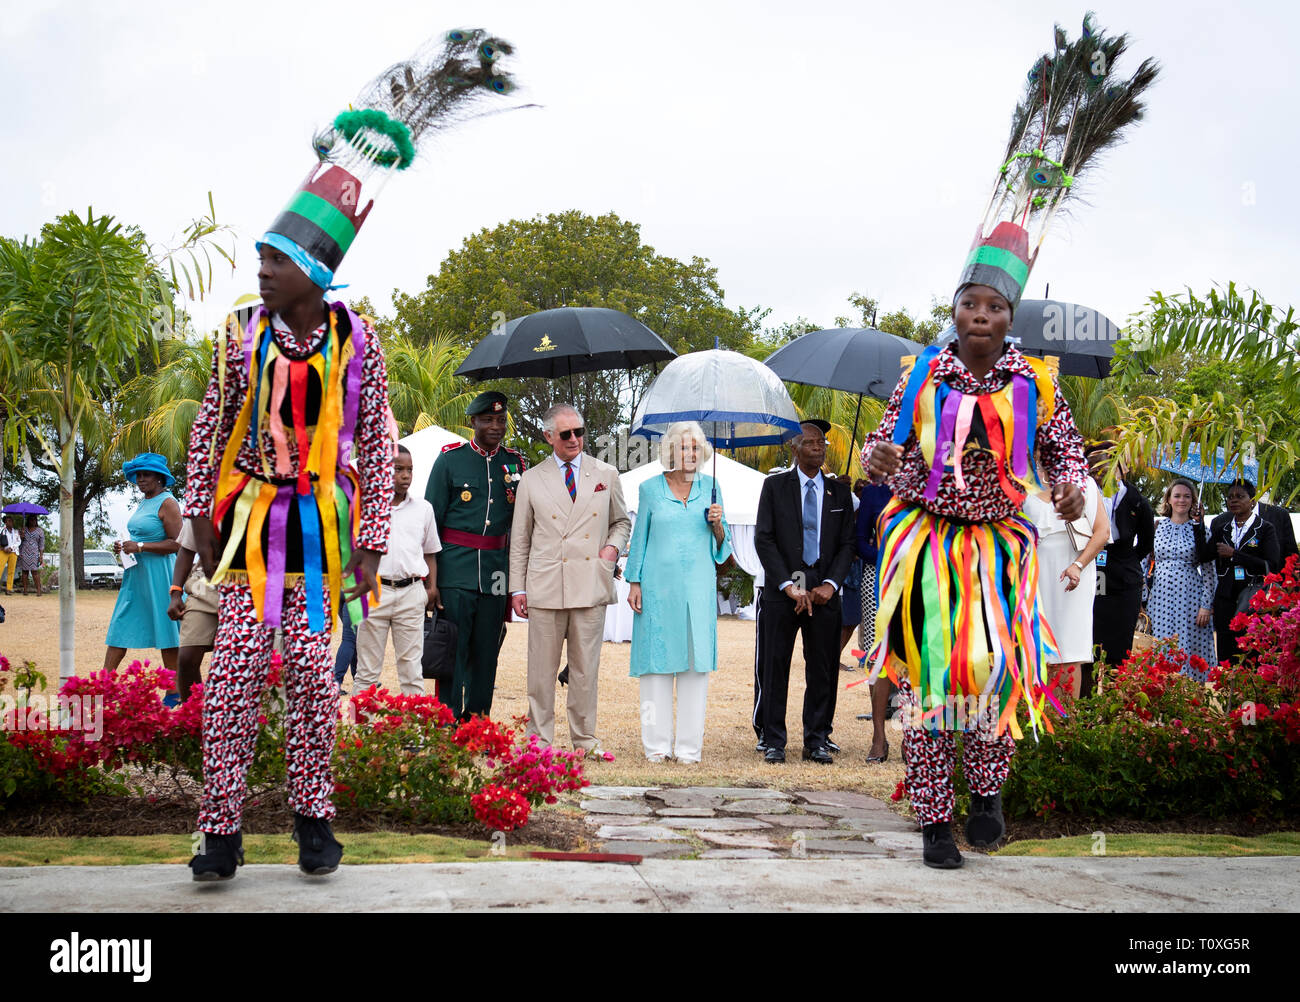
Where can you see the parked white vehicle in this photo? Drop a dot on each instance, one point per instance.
(101, 569)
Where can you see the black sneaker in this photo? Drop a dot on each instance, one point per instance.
(218, 856)
(319, 851)
(940, 851)
(985, 825)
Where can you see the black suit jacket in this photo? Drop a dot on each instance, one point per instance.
(778, 536)
(1134, 517)
(1280, 520)
(1259, 555)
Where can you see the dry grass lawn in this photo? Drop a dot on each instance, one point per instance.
(31, 632)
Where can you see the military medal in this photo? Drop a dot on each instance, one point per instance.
(465, 495)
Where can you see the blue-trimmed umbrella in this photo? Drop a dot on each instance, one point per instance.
(737, 400)
(1222, 472)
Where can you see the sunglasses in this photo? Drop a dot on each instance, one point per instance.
(570, 433)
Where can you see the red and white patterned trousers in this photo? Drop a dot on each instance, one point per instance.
(928, 760)
(241, 659)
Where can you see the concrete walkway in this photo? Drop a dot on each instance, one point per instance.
(657, 885)
(749, 849)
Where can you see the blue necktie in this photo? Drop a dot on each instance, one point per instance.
(568, 482)
(810, 525)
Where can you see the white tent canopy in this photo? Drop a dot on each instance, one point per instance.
(425, 445)
(739, 484)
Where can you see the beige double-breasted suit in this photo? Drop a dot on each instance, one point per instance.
(555, 545)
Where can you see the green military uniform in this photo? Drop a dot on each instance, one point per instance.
(473, 499)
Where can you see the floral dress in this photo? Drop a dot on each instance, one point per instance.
(1180, 587)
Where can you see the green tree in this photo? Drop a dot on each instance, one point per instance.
(900, 321)
(572, 259)
(1232, 359)
(78, 305)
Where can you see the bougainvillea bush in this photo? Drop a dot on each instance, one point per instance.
(400, 757)
(405, 756)
(1153, 744)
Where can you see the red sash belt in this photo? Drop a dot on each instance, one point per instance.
(473, 539)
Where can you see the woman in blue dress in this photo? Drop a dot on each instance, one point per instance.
(679, 537)
(1182, 588)
(140, 620)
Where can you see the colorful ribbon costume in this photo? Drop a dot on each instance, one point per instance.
(254, 510)
(970, 625)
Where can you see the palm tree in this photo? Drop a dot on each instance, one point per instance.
(423, 389)
(78, 305)
(160, 406)
(1227, 326)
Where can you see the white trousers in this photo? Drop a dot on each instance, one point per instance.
(402, 613)
(657, 715)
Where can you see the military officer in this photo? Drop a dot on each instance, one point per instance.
(472, 490)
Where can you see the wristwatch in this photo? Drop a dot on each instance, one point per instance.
(1077, 564)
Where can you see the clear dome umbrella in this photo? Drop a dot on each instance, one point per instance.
(737, 400)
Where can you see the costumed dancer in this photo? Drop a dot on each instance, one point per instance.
(290, 463)
(957, 626)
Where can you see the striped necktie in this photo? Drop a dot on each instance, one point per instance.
(568, 482)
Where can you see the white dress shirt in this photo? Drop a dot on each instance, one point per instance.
(819, 492)
(413, 534)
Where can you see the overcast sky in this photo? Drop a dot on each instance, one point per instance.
(807, 150)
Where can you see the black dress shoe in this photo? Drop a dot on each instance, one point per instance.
(832, 747)
(821, 755)
(774, 755)
(985, 825)
(939, 850)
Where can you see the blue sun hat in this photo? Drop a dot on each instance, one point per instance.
(148, 462)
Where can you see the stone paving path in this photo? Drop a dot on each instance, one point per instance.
(725, 822)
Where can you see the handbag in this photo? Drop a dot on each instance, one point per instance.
(1144, 636)
(439, 658)
(1080, 532)
(1243, 600)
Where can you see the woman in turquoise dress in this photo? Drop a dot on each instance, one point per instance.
(679, 537)
(140, 620)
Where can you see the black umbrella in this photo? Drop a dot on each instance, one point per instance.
(555, 343)
(859, 360)
(1083, 338)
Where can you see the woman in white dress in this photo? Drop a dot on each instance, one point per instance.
(1067, 578)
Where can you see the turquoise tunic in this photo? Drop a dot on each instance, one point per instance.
(677, 629)
(140, 617)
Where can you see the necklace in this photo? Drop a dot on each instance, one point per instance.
(676, 487)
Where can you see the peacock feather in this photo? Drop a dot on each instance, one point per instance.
(453, 77)
(1075, 107)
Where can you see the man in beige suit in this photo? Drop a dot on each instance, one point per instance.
(569, 527)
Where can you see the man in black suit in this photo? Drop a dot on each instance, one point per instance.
(1280, 519)
(1118, 602)
(805, 543)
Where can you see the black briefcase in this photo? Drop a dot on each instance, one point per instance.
(439, 660)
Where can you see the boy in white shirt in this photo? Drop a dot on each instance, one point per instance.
(408, 573)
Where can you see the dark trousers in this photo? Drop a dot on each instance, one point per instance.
(757, 717)
(478, 620)
(346, 658)
(1114, 621)
(1225, 641)
(821, 639)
